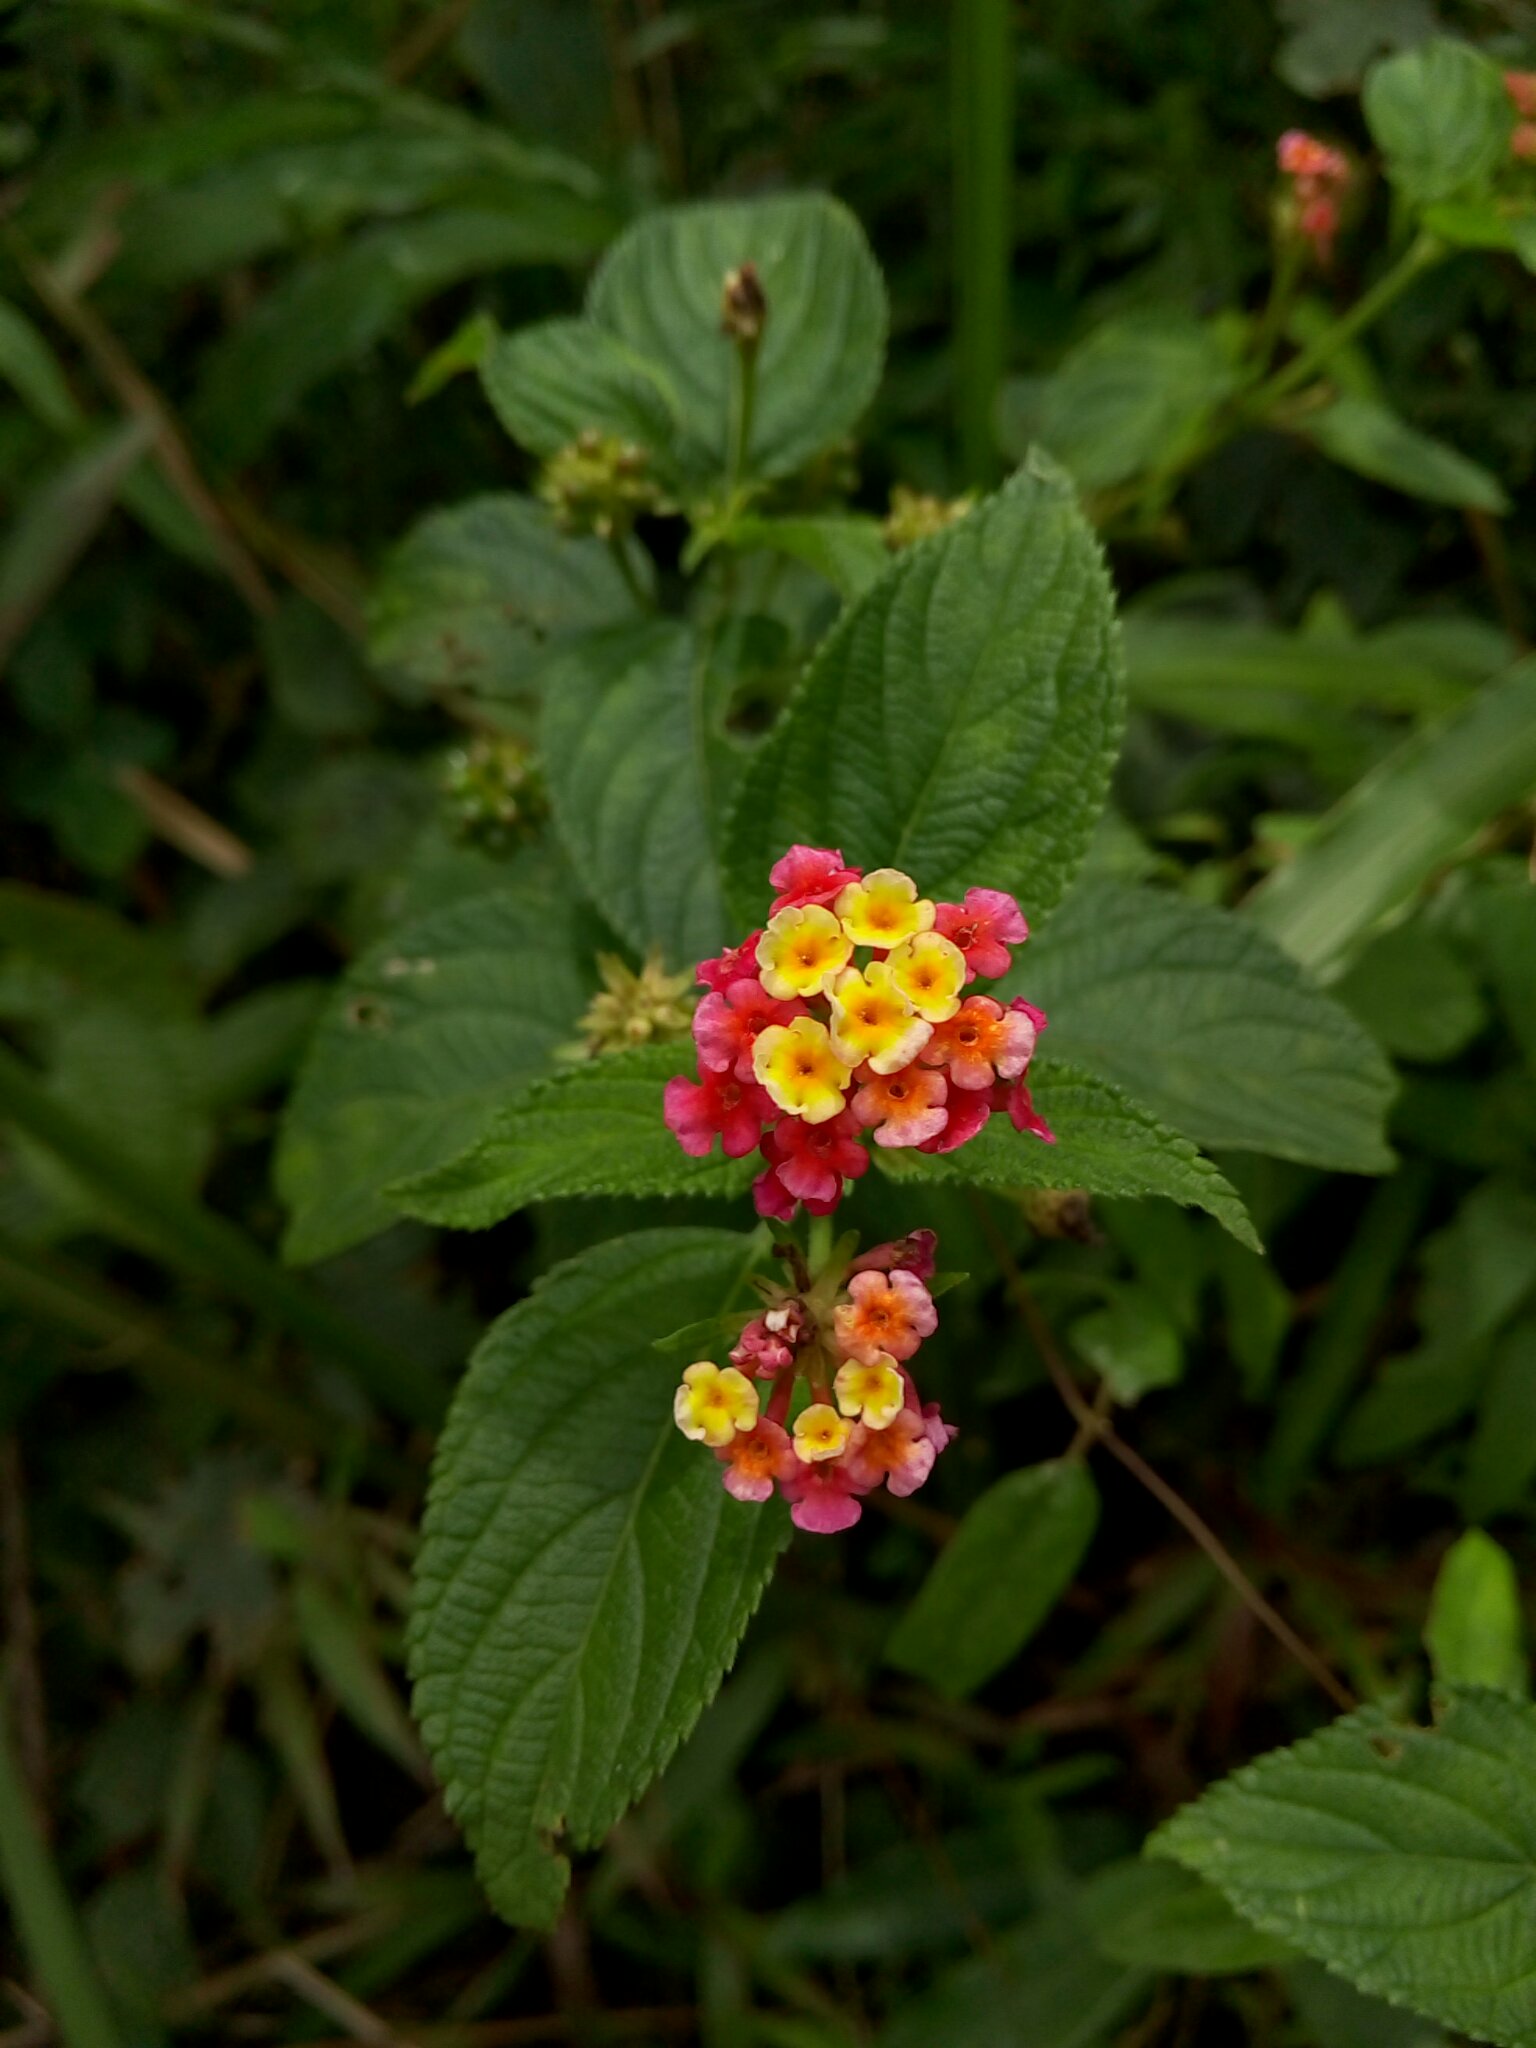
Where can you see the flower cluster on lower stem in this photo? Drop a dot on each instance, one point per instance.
(819, 1400)
(1319, 176)
(806, 1050)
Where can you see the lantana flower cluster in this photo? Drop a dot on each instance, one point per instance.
(1319, 177)
(852, 1014)
(819, 1398)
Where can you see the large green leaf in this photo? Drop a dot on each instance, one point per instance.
(559, 378)
(996, 1581)
(595, 1129)
(658, 289)
(1132, 397)
(961, 719)
(1209, 1024)
(1402, 1857)
(475, 592)
(584, 1578)
(1417, 811)
(1441, 118)
(1370, 439)
(1105, 1142)
(425, 1034)
(627, 746)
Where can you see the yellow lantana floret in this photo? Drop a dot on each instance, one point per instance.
(930, 972)
(796, 1063)
(873, 1020)
(871, 1394)
(820, 1432)
(711, 1405)
(802, 951)
(883, 909)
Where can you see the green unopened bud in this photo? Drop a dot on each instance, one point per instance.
(743, 306)
(648, 1008)
(599, 483)
(914, 515)
(493, 792)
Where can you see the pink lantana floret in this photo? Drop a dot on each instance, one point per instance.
(813, 1160)
(809, 874)
(824, 1498)
(984, 926)
(736, 963)
(759, 1351)
(902, 1109)
(755, 1460)
(727, 1022)
(917, 1252)
(902, 1454)
(889, 1313)
(716, 1105)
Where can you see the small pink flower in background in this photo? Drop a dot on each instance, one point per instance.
(1319, 175)
(889, 1313)
(901, 1109)
(1521, 87)
(726, 1025)
(696, 1112)
(984, 926)
(755, 1459)
(809, 874)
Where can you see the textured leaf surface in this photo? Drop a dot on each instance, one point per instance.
(1406, 819)
(658, 290)
(1371, 440)
(1209, 1024)
(470, 597)
(1441, 118)
(1155, 1916)
(961, 719)
(849, 549)
(595, 1129)
(1105, 1142)
(626, 745)
(1131, 397)
(552, 381)
(1402, 1857)
(584, 1578)
(992, 1586)
(426, 1033)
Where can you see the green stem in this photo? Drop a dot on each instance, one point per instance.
(818, 1243)
(1282, 289)
(618, 547)
(981, 144)
(193, 1238)
(1420, 255)
(45, 1917)
(743, 409)
(71, 1298)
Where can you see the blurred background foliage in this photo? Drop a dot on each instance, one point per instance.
(240, 249)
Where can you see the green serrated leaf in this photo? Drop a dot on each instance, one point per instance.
(558, 379)
(658, 290)
(1475, 1633)
(584, 1578)
(594, 1130)
(626, 745)
(995, 1582)
(473, 595)
(848, 549)
(1441, 118)
(1371, 440)
(961, 720)
(1210, 1025)
(1402, 1857)
(1106, 1143)
(425, 1034)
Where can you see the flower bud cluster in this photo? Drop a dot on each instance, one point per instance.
(819, 1399)
(493, 792)
(599, 483)
(805, 1048)
(1319, 177)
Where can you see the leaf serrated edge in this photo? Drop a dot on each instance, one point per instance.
(1162, 1844)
